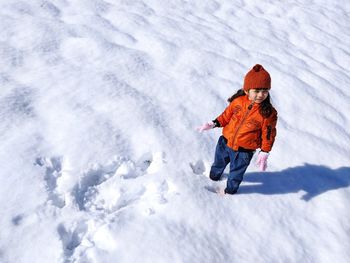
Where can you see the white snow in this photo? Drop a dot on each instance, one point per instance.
(99, 157)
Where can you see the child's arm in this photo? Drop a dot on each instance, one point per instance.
(269, 132)
(224, 118)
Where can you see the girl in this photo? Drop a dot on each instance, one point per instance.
(249, 123)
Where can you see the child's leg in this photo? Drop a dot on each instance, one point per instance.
(239, 162)
(221, 160)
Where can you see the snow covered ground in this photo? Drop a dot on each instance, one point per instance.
(99, 157)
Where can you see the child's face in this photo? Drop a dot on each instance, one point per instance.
(259, 95)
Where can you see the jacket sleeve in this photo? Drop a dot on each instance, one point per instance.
(269, 132)
(224, 118)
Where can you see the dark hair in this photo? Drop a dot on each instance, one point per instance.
(239, 93)
(266, 107)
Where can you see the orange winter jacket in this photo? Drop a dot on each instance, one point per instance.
(244, 126)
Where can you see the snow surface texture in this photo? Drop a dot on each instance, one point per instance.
(100, 160)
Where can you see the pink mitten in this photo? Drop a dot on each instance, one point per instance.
(262, 160)
(206, 126)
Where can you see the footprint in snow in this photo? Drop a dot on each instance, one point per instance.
(112, 196)
(151, 163)
(200, 167)
(53, 171)
(71, 237)
(83, 190)
(156, 195)
(216, 190)
(102, 189)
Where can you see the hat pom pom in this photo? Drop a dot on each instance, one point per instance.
(258, 68)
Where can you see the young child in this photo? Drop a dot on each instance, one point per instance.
(249, 123)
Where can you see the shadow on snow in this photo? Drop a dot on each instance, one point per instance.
(313, 179)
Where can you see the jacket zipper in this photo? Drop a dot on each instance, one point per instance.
(241, 122)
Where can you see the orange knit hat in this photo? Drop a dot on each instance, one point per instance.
(257, 78)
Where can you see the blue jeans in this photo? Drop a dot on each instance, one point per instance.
(239, 161)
